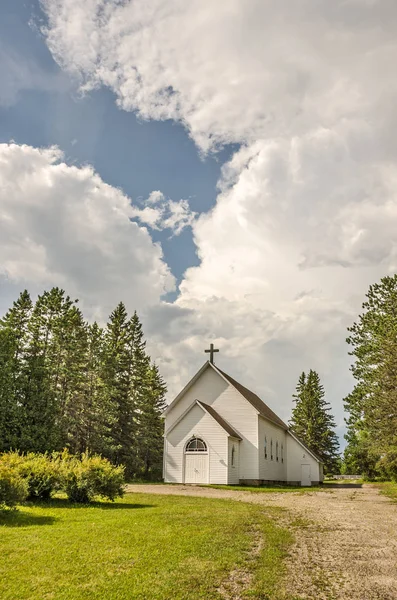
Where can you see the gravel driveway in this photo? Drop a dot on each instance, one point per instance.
(346, 539)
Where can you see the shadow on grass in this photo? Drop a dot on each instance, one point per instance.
(64, 503)
(14, 518)
(342, 486)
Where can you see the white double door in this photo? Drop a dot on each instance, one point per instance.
(196, 467)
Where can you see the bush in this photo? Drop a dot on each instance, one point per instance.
(13, 488)
(41, 472)
(43, 475)
(387, 464)
(91, 476)
(39, 475)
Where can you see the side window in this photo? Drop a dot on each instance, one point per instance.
(271, 449)
(277, 451)
(265, 447)
(282, 453)
(233, 453)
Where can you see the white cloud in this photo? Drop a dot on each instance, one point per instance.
(62, 225)
(164, 213)
(307, 208)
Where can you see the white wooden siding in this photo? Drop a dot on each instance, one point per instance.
(233, 469)
(212, 389)
(197, 423)
(298, 456)
(272, 470)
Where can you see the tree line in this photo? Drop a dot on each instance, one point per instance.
(372, 405)
(65, 383)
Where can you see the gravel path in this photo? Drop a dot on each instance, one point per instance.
(346, 539)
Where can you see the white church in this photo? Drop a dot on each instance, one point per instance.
(219, 432)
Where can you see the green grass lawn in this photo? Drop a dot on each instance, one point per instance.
(142, 547)
(388, 488)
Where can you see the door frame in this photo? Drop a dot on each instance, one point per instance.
(206, 453)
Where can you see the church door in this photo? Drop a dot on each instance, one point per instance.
(305, 475)
(196, 462)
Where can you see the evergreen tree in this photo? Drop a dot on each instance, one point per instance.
(312, 421)
(13, 340)
(117, 377)
(373, 403)
(99, 414)
(64, 383)
(151, 425)
(44, 379)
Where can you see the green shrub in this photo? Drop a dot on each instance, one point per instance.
(13, 488)
(43, 475)
(387, 464)
(42, 472)
(91, 476)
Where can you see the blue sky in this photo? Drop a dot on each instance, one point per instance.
(227, 169)
(128, 152)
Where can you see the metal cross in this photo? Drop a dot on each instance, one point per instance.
(211, 351)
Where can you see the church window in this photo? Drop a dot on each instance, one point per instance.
(196, 445)
(233, 452)
(265, 447)
(277, 451)
(282, 453)
(271, 449)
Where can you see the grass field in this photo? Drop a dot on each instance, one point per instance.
(142, 547)
(388, 488)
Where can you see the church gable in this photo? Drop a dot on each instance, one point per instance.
(207, 385)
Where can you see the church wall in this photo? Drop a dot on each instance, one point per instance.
(272, 469)
(233, 469)
(197, 423)
(212, 389)
(298, 456)
(244, 418)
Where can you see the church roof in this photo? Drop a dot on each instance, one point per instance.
(220, 420)
(253, 399)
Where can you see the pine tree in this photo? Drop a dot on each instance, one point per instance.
(13, 340)
(312, 421)
(64, 383)
(99, 416)
(117, 377)
(373, 403)
(151, 425)
(45, 373)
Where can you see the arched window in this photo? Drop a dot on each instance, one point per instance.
(265, 447)
(196, 445)
(271, 449)
(277, 451)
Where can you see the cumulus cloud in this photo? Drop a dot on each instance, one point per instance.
(306, 213)
(163, 213)
(62, 225)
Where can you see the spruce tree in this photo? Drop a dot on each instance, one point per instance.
(151, 425)
(117, 377)
(13, 341)
(312, 422)
(99, 416)
(64, 383)
(373, 403)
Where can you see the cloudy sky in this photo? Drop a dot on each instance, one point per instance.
(226, 168)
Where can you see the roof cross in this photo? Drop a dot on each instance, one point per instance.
(211, 351)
